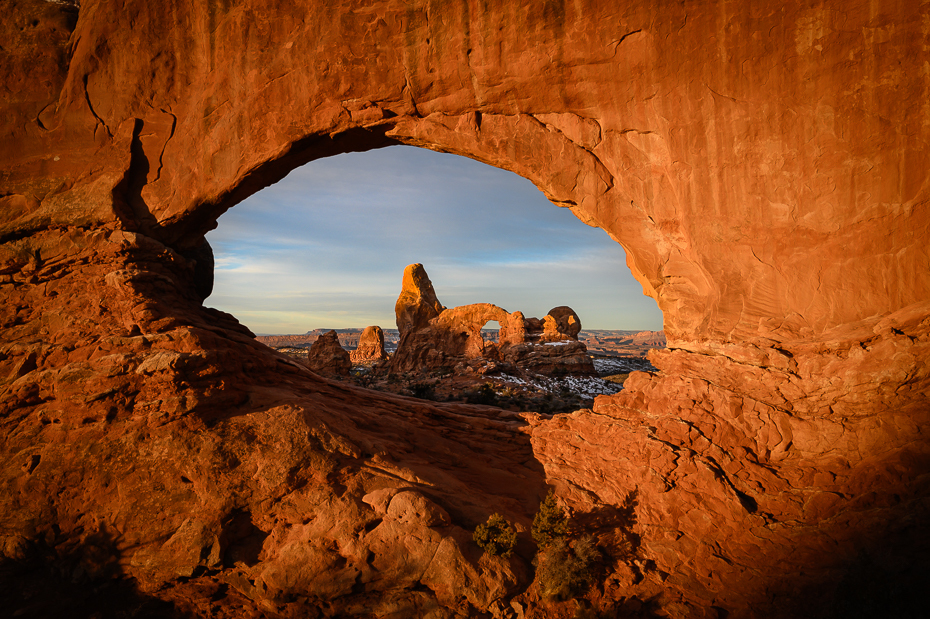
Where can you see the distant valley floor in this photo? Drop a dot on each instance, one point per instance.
(615, 353)
(602, 342)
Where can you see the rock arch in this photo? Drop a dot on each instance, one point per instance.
(764, 167)
(433, 337)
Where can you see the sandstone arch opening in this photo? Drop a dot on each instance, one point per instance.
(326, 246)
(772, 190)
(490, 331)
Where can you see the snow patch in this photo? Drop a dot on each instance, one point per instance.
(585, 386)
(606, 366)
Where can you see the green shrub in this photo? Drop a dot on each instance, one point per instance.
(424, 390)
(564, 570)
(550, 523)
(618, 379)
(485, 394)
(497, 537)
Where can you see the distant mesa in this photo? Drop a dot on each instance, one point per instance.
(434, 337)
(653, 339)
(296, 340)
(623, 343)
(348, 338)
(327, 356)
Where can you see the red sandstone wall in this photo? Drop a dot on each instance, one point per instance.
(764, 165)
(795, 125)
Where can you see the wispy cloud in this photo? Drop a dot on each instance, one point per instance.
(327, 246)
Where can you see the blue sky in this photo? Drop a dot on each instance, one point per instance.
(326, 247)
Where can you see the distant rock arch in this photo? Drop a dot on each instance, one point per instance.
(433, 336)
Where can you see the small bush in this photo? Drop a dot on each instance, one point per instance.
(485, 394)
(424, 390)
(618, 379)
(550, 523)
(497, 537)
(564, 571)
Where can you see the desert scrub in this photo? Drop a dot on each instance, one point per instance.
(566, 570)
(618, 379)
(497, 537)
(550, 523)
(485, 394)
(423, 390)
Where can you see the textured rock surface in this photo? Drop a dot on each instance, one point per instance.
(370, 346)
(433, 337)
(417, 303)
(763, 164)
(327, 356)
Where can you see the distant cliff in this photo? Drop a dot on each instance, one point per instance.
(348, 338)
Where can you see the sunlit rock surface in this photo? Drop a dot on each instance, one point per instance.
(763, 164)
(433, 337)
(370, 346)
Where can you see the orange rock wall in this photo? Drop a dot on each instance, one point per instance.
(653, 121)
(763, 165)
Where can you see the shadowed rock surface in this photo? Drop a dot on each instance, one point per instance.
(327, 356)
(764, 165)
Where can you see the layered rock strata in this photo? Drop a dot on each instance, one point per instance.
(764, 165)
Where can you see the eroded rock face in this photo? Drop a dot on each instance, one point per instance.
(452, 337)
(327, 356)
(764, 166)
(370, 346)
(559, 324)
(417, 303)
